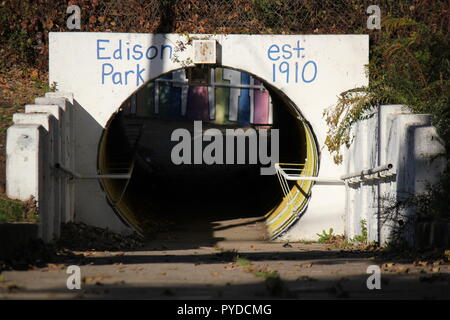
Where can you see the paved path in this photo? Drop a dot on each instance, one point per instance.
(233, 261)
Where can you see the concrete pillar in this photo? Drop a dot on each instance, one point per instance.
(429, 154)
(60, 94)
(411, 144)
(387, 189)
(400, 152)
(64, 101)
(49, 123)
(56, 130)
(26, 176)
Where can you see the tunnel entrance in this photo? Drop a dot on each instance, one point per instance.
(161, 194)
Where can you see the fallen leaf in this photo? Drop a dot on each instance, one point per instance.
(95, 279)
(34, 74)
(435, 269)
(438, 262)
(229, 267)
(403, 269)
(390, 264)
(387, 266)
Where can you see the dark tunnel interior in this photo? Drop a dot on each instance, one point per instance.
(138, 139)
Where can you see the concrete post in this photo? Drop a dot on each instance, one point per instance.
(26, 177)
(48, 122)
(64, 101)
(58, 188)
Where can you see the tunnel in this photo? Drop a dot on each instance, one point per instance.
(138, 139)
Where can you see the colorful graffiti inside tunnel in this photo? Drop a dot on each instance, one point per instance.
(233, 105)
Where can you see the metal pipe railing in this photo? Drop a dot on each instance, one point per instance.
(296, 177)
(367, 172)
(366, 175)
(91, 176)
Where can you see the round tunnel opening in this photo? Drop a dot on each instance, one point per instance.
(139, 140)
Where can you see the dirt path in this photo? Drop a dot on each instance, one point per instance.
(231, 261)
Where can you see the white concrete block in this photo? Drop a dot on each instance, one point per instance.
(60, 185)
(60, 178)
(384, 114)
(429, 154)
(26, 174)
(33, 118)
(60, 94)
(205, 51)
(23, 149)
(54, 110)
(398, 149)
(65, 102)
(51, 156)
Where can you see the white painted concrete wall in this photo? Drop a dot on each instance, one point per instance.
(27, 172)
(77, 61)
(39, 139)
(409, 142)
(66, 128)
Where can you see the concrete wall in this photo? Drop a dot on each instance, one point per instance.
(39, 139)
(410, 143)
(101, 70)
(101, 77)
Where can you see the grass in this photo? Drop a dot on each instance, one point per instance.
(272, 279)
(267, 274)
(362, 238)
(325, 237)
(243, 262)
(17, 211)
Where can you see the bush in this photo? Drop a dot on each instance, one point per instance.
(410, 65)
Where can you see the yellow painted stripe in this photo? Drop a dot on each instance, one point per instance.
(282, 217)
